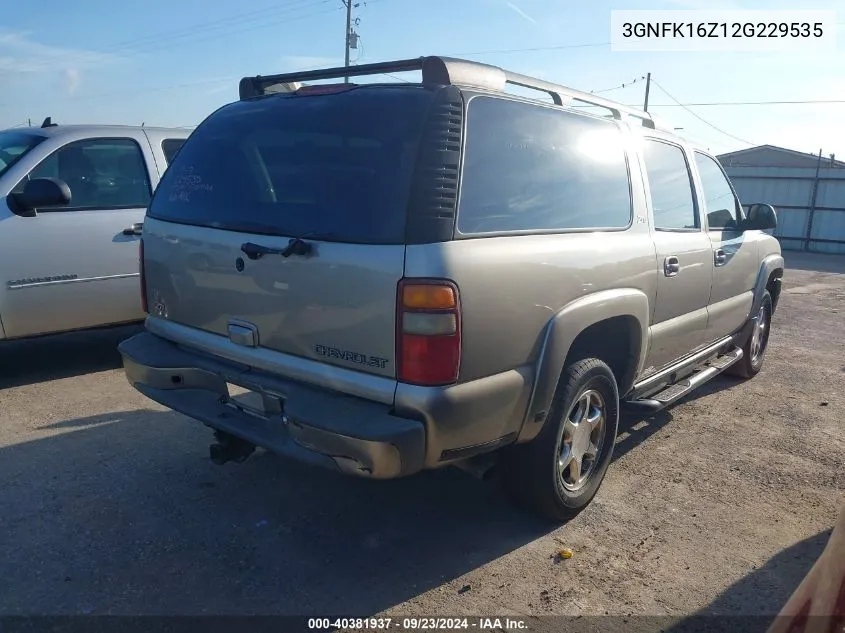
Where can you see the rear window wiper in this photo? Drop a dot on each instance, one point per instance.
(296, 246)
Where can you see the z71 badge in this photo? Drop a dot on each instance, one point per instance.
(350, 357)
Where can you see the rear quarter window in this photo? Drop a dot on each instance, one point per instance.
(170, 147)
(535, 168)
(330, 166)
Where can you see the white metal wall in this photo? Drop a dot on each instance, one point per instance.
(811, 209)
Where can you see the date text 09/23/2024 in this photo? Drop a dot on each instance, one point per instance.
(416, 624)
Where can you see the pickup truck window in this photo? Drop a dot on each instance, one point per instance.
(671, 186)
(13, 147)
(101, 174)
(720, 203)
(170, 146)
(535, 168)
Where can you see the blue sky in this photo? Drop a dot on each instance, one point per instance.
(172, 63)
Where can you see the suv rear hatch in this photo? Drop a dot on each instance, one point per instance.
(333, 168)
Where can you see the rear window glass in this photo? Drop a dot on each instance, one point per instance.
(170, 146)
(335, 166)
(534, 168)
(13, 147)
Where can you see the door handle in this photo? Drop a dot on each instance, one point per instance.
(720, 257)
(135, 229)
(671, 266)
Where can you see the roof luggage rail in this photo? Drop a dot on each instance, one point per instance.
(444, 71)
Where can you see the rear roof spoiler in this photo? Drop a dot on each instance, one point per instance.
(443, 71)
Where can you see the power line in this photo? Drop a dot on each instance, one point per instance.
(747, 103)
(737, 103)
(251, 25)
(703, 120)
(205, 81)
(625, 85)
(530, 50)
(284, 14)
(260, 14)
(397, 78)
(247, 16)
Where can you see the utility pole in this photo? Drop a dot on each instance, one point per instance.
(647, 88)
(348, 4)
(809, 237)
(351, 35)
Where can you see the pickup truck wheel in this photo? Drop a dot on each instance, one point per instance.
(558, 473)
(757, 343)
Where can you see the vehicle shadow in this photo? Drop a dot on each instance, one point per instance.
(634, 430)
(751, 604)
(36, 360)
(124, 514)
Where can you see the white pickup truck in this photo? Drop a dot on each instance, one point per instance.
(72, 205)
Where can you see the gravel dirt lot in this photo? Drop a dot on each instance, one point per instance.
(109, 504)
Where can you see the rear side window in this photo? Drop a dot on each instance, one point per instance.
(331, 166)
(535, 168)
(170, 146)
(671, 186)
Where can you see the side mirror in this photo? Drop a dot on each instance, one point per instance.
(42, 192)
(761, 217)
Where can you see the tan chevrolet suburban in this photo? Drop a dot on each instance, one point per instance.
(382, 278)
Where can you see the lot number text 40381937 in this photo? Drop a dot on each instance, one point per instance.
(417, 624)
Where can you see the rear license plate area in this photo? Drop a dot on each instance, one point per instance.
(252, 402)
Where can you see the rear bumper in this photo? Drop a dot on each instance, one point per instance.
(343, 433)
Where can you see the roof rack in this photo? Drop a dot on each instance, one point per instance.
(444, 71)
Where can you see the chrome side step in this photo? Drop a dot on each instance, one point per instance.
(674, 392)
(665, 376)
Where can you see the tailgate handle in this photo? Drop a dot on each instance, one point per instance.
(296, 246)
(245, 334)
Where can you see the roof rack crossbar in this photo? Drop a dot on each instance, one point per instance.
(255, 86)
(447, 71)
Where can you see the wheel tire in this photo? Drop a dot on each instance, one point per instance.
(532, 473)
(754, 352)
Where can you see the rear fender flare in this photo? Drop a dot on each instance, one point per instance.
(561, 332)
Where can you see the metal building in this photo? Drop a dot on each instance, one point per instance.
(807, 190)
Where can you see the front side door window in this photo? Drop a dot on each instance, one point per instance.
(720, 203)
(101, 174)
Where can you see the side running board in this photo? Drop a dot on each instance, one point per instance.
(674, 392)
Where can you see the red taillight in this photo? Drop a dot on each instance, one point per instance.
(142, 276)
(428, 332)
